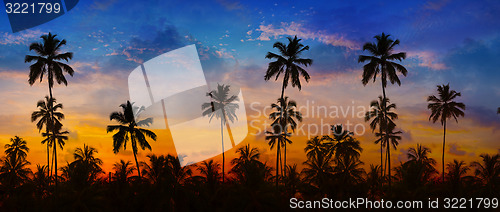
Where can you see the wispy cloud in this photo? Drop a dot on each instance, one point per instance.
(23, 37)
(270, 31)
(427, 59)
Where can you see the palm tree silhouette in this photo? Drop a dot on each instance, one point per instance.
(86, 157)
(13, 171)
(314, 147)
(389, 138)
(209, 171)
(380, 62)
(223, 107)
(129, 130)
(456, 173)
(288, 63)
(48, 62)
(17, 148)
(378, 114)
(341, 144)
(277, 138)
(47, 113)
(55, 138)
(488, 171)
(420, 156)
(444, 107)
(123, 170)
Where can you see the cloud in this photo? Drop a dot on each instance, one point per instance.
(293, 28)
(435, 5)
(21, 38)
(456, 150)
(230, 5)
(102, 4)
(427, 59)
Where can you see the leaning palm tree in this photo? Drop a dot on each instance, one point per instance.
(55, 138)
(391, 138)
(381, 62)
(223, 107)
(443, 108)
(285, 115)
(17, 148)
(381, 109)
(129, 130)
(45, 116)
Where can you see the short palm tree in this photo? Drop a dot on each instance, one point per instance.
(17, 148)
(443, 108)
(86, 157)
(420, 156)
(13, 171)
(210, 173)
(286, 114)
(129, 130)
(342, 144)
(45, 116)
(381, 109)
(314, 147)
(488, 170)
(223, 107)
(456, 172)
(123, 170)
(391, 138)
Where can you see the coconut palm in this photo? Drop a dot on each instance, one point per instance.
(17, 148)
(420, 156)
(318, 170)
(342, 144)
(456, 173)
(13, 171)
(443, 108)
(129, 130)
(223, 107)
(209, 171)
(488, 170)
(391, 138)
(85, 157)
(55, 138)
(348, 171)
(288, 63)
(315, 146)
(123, 170)
(277, 139)
(381, 62)
(381, 109)
(48, 61)
(285, 115)
(46, 115)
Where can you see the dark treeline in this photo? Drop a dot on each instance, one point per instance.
(333, 168)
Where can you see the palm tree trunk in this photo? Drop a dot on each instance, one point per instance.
(277, 163)
(48, 153)
(389, 161)
(381, 157)
(444, 144)
(223, 157)
(55, 161)
(137, 164)
(281, 115)
(228, 128)
(384, 110)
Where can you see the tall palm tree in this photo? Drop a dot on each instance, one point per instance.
(277, 139)
(17, 148)
(48, 61)
(55, 138)
(288, 63)
(378, 114)
(443, 108)
(285, 115)
(223, 107)
(391, 138)
(45, 116)
(129, 130)
(381, 62)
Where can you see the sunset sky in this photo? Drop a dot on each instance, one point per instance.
(455, 42)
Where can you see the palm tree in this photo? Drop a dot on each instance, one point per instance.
(55, 138)
(86, 158)
(348, 171)
(342, 144)
(378, 114)
(390, 138)
(318, 170)
(284, 116)
(17, 148)
(48, 61)
(122, 171)
(444, 107)
(210, 173)
(277, 138)
(13, 171)
(129, 130)
(314, 147)
(288, 62)
(381, 62)
(420, 156)
(45, 116)
(489, 170)
(223, 107)
(456, 172)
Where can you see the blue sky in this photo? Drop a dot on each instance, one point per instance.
(456, 42)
